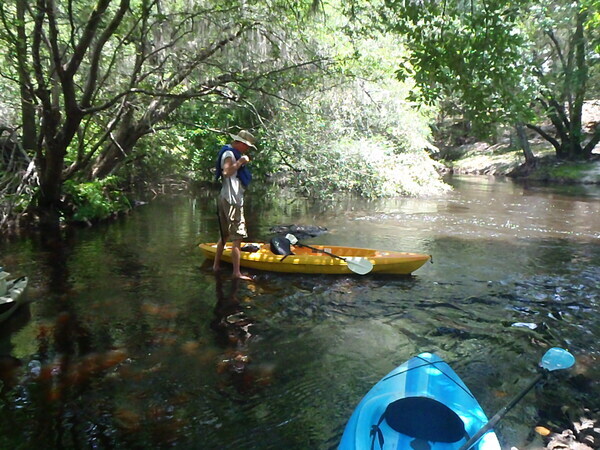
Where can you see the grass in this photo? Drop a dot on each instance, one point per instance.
(567, 172)
(499, 159)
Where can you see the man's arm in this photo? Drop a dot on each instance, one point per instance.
(230, 167)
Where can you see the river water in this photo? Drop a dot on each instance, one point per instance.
(129, 341)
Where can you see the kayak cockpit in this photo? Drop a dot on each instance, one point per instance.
(421, 418)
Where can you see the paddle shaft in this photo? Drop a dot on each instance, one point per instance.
(500, 414)
(320, 250)
(360, 266)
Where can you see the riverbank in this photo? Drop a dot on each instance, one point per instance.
(481, 158)
(505, 158)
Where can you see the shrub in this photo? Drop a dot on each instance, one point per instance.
(95, 200)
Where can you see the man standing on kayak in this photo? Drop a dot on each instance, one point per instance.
(231, 168)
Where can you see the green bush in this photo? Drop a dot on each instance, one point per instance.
(95, 200)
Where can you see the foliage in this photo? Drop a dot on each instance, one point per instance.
(92, 79)
(360, 137)
(202, 129)
(593, 30)
(355, 131)
(156, 161)
(474, 53)
(500, 57)
(95, 200)
(357, 102)
(592, 7)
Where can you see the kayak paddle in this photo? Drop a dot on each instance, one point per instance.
(554, 359)
(357, 265)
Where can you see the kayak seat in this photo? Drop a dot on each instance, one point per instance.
(424, 418)
(281, 246)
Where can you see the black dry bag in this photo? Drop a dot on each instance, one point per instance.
(281, 246)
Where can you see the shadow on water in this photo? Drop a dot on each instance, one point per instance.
(131, 343)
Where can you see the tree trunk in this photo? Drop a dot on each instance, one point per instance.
(29, 135)
(117, 150)
(530, 159)
(579, 83)
(49, 198)
(129, 133)
(50, 161)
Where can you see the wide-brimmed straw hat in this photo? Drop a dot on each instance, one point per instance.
(244, 136)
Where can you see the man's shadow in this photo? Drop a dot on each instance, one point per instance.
(233, 329)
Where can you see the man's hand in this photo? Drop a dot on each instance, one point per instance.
(244, 160)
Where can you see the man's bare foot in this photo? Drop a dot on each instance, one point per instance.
(241, 276)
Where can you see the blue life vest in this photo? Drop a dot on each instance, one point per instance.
(243, 172)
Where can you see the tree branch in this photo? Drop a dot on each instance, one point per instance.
(593, 142)
(203, 55)
(89, 32)
(53, 40)
(554, 40)
(42, 92)
(97, 52)
(545, 135)
(560, 112)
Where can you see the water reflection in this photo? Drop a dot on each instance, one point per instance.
(10, 366)
(233, 333)
(9, 374)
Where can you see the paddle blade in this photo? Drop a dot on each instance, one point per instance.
(557, 358)
(360, 266)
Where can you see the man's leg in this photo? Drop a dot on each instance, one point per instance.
(235, 260)
(223, 212)
(218, 255)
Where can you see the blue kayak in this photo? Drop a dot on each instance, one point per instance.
(421, 404)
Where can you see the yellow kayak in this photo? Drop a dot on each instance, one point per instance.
(313, 260)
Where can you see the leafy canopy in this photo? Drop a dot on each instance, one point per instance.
(473, 51)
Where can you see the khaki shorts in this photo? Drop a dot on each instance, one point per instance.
(232, 220)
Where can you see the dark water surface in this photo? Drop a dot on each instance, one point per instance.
(130, 342)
